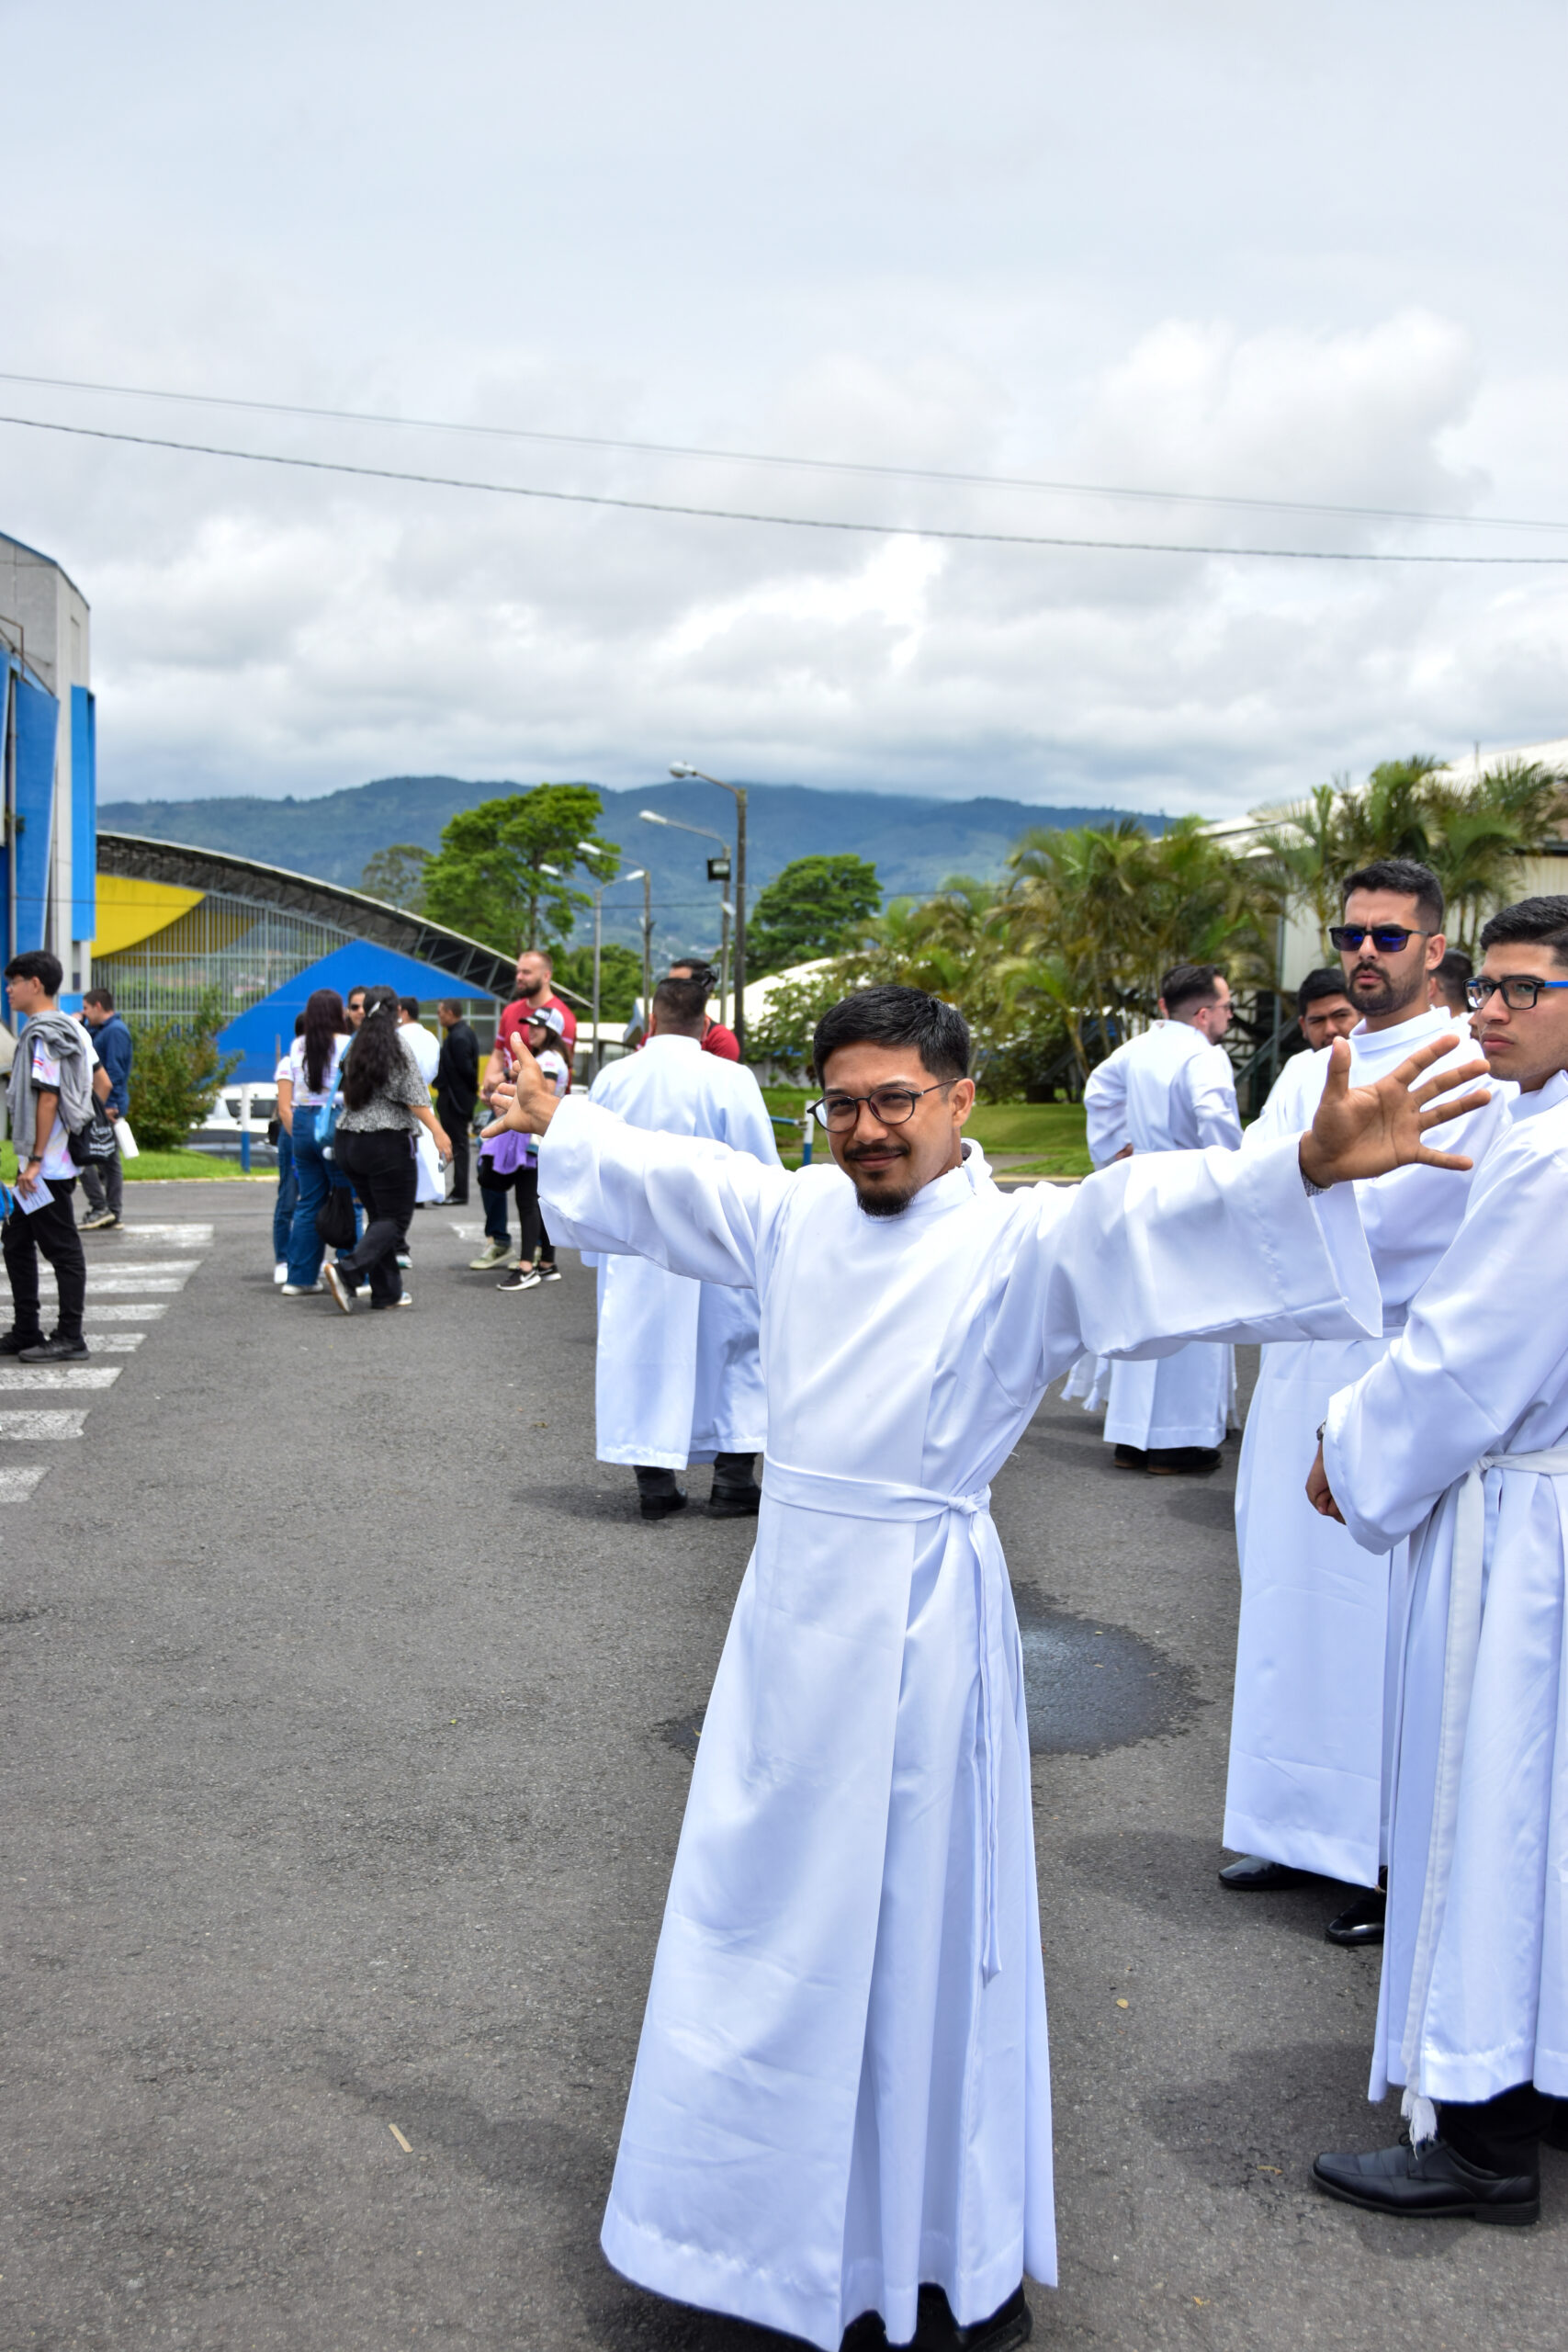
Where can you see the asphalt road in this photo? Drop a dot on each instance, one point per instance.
(348, 1709)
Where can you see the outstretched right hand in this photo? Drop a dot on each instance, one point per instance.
(529, 1102)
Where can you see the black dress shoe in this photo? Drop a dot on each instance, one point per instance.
(1130, 1457)
(936, 2330)
(1554, 2126)
(1362, 1923)
(1432, 2183)
(12, 1342)
(55, 1350)
(1182, 1461)
(735, 1502)
(1253, 1875)
(662, 1506)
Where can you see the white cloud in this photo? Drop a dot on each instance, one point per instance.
(1125, 245)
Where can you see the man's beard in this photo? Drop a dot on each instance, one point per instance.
(880, 1202)
(1388, 996)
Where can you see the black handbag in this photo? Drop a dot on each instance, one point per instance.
(334, 1218)
(96, 1140)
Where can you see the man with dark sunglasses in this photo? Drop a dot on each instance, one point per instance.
(1457, 1442)
(1317, 1639)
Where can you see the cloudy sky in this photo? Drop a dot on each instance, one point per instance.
(1223, 251)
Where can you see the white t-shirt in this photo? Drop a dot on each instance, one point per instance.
(307, 1098)
(58, 1164)
(421, 1046)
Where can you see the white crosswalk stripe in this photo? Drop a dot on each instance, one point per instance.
(29, 1426)
(125, 1286)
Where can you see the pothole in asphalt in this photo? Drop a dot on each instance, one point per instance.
(1087, 1687)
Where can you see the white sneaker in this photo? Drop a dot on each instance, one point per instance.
(280, 1272)
(339, 1288)
(301, 1290)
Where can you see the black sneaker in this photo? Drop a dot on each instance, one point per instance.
(550, 1273)
(12, 1342)
(55, 1350)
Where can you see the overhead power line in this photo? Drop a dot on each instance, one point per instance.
(745, 515)
(766, 458)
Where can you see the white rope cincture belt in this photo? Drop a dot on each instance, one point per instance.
(970, 1522)
(1462, 1649)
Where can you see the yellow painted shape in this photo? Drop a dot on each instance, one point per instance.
(130, 911)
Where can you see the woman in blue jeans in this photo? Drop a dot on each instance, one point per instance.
(303, 1101)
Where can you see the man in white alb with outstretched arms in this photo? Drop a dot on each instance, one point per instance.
(1311, 1720)
(1457, 1441)
(1170, 1088)
(841, 2092)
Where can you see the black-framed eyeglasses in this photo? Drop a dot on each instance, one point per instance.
(1388, 938)
(1519, 991)
(890, 1106)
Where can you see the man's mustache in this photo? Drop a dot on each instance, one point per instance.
(863, 1150)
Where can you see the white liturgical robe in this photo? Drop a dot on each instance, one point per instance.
(841, 2089)
(1317, 1642)
(1458, 1441)
(677, 1377)
(1169, 1089)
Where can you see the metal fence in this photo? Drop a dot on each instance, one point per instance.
(241, 947)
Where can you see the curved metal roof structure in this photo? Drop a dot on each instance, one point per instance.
(469, 962)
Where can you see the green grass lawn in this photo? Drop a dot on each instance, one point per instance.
(158, 1167)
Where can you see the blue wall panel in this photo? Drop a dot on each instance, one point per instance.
(266, 1031)
(37, 720)
(84, 815)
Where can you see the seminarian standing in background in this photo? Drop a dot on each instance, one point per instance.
(1317, 1642)
(678, 1378)
(1170, 1089)
(457, 1088)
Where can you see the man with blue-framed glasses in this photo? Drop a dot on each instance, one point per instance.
(1457, 1442)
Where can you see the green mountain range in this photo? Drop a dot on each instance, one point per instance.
(915, 843)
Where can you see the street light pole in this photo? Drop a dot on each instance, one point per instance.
(647, 948)
(678, 769)
(703, 833)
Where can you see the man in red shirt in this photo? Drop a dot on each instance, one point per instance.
(532, 982)
(716, 1038)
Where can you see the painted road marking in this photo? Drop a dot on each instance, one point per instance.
(23, 1427)
(59, 1376)
(15, 1486)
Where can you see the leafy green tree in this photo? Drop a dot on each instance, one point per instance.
(503, 872)
(176, 1072)
(397, 874)
(816, 907)
(620, 977)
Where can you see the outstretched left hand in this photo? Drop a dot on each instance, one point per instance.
(1367, 1130)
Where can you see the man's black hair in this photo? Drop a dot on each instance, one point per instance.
(37, 964)
(102, 998)
(1325, 981)
(1452, 969)
(411, 1006)
(1187, 984)
(1406, 876)
(451, 1004)
(894, 1016)
(1545, 918)
(682, 1005)
(700, 969)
